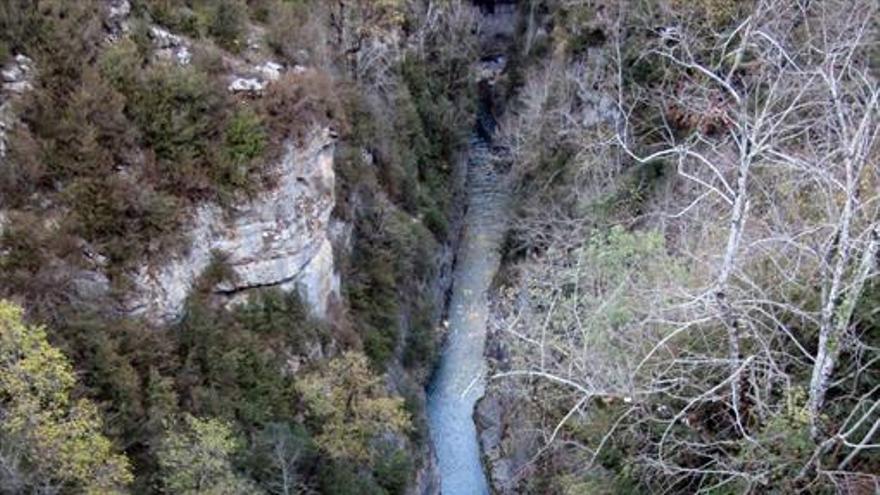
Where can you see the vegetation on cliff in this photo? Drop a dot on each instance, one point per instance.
(112, 146)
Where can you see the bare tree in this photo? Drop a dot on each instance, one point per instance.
(766, 131)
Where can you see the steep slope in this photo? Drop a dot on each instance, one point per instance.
(213, 204)
(460, 378)
(279, 239)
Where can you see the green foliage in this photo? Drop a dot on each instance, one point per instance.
(216, 363)
(222, 20)
(245, 137)
(786, 440)
(620, 260)
(351, 405)
(114, 381)
(228, 370)
(391, 261)
(288, 31)
(217, 272)
(372, 294)
(195, 457)
(633, 191)
(575, 28)
(79, 140)
(227, 23)
(48, 437)
(60, 36)
(121, 65)
(173, 14)
(28, 245)
(342, 478)
(596, 485)
(279, 455)
(413, 153)
(121, 218)
(244, 146)
(115, 146)
(433, 124)
(393, 472)
(276, 313)
(178, 111)
(421, 345)
(91, 109)
(715, 14)
(182, 113)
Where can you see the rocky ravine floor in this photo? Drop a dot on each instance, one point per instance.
(459, 381)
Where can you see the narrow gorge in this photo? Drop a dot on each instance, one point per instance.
(439, 247)
(459, 381)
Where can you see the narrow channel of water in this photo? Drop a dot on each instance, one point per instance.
(459, 381)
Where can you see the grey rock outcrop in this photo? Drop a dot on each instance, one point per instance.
(279, 239)
(17, 74)
(259, 78)
(170, 46)
(249, 85)
(116, 21)
(15, 78)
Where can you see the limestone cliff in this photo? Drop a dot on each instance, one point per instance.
(280, 238)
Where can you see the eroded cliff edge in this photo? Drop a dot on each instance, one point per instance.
(281, 238)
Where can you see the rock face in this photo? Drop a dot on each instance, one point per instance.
(508, 449)
(260, 77)
(497, 26)
(279, 239)
(116, 20)
(170, 46)
(15, 78)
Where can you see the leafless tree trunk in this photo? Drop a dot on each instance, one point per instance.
(770, 128)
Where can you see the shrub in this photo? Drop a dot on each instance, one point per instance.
(342, 478)
(391, 262)
(229, 371)
(221, 363)
(372, 291)
(107, 353)
(349, 402)
(121, 65)
(51, 441)
(273, 313)
(296, 103)
(293, 34)
(435, 221)
(280, 457)
(245, 142)
(421, 345)
(35, 255)
(173, 14)
(715, 14)
(218, 271)
(62, 37)
(23, 172)
(393, 471)
(227, 23)
(196, 457)
(122, 218)
(180, 113)
(83, 133)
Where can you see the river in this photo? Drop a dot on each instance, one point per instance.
(459, 381)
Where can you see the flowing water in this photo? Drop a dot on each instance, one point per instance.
(460, 378)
